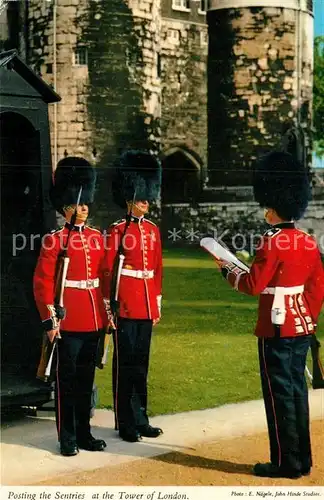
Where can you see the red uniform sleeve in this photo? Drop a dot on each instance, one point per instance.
(262, 270)
(112, 242)
(44, 277)
(103, 274)
(158, 264)
(314, 288)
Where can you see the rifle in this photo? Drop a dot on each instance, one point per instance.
(104, 342)
(318, 369)
(62, 265)
(118, 265)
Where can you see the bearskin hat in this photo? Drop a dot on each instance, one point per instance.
(71, 174)
(137, 176)
(280, 181)
(293, 142)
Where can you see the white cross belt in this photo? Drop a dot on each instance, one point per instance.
(138, 274)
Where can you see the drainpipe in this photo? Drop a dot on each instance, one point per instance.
(54, 83)
(299, 60)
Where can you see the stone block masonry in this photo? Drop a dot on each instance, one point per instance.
(102, 58)
(134, 73)
(237, 223)
(259, 82)
(184, 86)
(53, 39)
(121, 75)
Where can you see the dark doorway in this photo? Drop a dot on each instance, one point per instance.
(181, 177)
(21, 215)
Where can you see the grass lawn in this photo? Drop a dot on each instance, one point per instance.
(203, 353)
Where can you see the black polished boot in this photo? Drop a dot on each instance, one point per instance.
(69, 448)
(270, 470)
(131, 436)
(89, 443)
(149, 431)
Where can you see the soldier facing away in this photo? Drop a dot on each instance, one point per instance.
(288, 274)
(83, 317)
(134, 246)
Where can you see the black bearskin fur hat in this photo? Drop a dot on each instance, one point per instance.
(137, 173)
(71, 174)
(281, 182)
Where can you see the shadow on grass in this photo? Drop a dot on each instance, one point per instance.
(178, 458)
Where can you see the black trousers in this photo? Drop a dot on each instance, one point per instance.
(285, 393)
(132, 341)
(76, 359)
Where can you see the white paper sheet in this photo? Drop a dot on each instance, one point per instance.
(217, 250)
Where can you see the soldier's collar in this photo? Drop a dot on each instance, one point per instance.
(285, 225)
(137, 219)
(77, 227)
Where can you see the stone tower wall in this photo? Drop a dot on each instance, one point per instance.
(114, 99)
(53, 35)
(184, 86)
(259, 80)
(139, 87)
(135, 75)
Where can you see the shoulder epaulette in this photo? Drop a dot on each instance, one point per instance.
(305, 232)
(94, 229)
(273, 231)
(148, 220)
(120, 221)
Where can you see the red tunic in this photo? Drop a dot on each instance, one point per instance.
(138, 297)
(287, 257)
(85, 310)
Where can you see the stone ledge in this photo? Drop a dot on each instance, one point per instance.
(234, 4)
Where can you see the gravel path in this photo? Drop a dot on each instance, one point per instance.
(225, 462)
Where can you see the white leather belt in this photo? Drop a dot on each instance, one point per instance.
(283, 290)
(278, 310)
(82, 284)
(138, 274)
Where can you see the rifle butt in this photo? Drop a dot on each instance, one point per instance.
(103, 350)
(43, 360)
(44, 370)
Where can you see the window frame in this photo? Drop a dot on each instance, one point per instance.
(173, 39)
(200, 11)
(76, 56)
(181, 8)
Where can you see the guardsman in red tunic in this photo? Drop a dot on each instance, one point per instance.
(84, 316)
(134, 243)
(287, 274)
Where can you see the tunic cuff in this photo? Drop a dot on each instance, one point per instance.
(230, 268)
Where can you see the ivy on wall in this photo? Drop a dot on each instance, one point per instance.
(115, 93)
(319, 95)
(115, 63)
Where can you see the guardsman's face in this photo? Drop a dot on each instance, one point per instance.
(139, 208)
(82, 213)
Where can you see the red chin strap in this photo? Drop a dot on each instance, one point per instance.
(82, 217)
